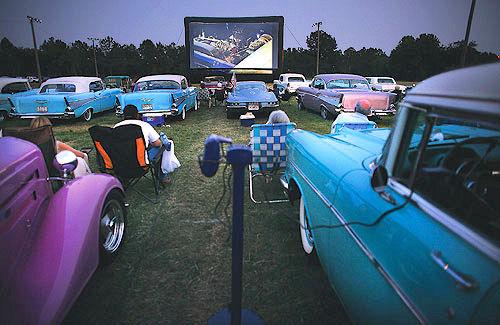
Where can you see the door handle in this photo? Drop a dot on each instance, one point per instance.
(463, 281)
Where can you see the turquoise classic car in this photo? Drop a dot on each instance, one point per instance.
(66, 97)
(250, 96)
(406, 221)
(160, 95)
(9, 88)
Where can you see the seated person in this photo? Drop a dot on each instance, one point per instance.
(204, 95)
(82, 167)
(360, 115)
(153, 142)
(278, 116)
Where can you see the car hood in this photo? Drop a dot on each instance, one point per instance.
(251, 95)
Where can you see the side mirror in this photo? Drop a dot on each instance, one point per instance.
(66, 163)
(379, 178)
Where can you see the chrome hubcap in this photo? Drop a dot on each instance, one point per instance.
(87, 115)
(112, 226)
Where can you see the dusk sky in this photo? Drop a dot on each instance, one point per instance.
(370, 23)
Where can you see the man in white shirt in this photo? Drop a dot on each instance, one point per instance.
(153, 142)
(360, 115)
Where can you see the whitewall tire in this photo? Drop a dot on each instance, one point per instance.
(305, 233)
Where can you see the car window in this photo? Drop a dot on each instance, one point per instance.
(281, 78)
(156, 84)
(257, 86)
(386, 81)
(459, 171)
(318, 83)
(15, 87)
(58, 88)
(96, 86)
(296, 79)
(184, 84)
(347, 83)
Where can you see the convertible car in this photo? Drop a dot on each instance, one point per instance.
(406, 221)
(51, 241)
(330, 94)
(12, 87)
(161, 95)
(66, 97)
(250, 96)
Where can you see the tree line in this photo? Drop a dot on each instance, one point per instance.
(413, 59)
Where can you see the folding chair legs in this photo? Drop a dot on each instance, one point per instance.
(129, 185)
(251, 176)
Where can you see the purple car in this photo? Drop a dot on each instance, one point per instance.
(51, 241)
(331, 94)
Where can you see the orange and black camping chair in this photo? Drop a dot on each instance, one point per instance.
(121, 151)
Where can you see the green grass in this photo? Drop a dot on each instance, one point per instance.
(175, 264)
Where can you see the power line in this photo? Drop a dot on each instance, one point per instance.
(300, 45)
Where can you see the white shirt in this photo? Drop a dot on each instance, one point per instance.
(149, 133)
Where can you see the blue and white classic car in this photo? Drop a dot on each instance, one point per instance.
(161, 95)
(406, 221)
(12, 87)
(250, 96)
(66, 97)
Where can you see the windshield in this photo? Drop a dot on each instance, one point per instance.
(386, 81)
(296, 79)
(116, 81)
(58, 88)
(156, 84)
(347, 84)
(256, 86)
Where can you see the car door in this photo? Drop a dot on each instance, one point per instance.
(96, 88)
(435, 264)
(318, 87)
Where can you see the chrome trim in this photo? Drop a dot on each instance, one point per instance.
(284, 183)
(465, 282)
(407, 301)
(467, 234)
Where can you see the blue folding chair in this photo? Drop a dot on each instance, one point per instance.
(353, 126)
(268, 153)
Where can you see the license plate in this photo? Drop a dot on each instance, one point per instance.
(147, 107)
(41, 109)
(253, 107)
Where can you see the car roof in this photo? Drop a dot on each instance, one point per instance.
(81, 83)
(4, 81)
(174, 77)
(330, 76)
(120, 77)
(473, 90)
(293, 75)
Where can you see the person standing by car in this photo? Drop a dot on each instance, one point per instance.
(220, 93)
(153, 141)
(361, 112)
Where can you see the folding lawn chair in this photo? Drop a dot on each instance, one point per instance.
(121, 151)
(43, 137)
(353, 126)
(268, 153)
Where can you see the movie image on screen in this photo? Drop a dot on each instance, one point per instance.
(233, 45)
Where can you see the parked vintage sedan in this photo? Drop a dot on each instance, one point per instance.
(66, 97)
(330, 94)
(250, 96)
(161, 95)
(406, 221)
(10, 87)
(52, 241)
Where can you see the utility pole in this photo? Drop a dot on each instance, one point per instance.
(94, 39)
(319, 23)
(31, 19)
(467, 33)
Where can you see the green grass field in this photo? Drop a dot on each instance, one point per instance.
(175, 263)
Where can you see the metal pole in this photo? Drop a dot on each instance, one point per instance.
(95, 58)
(467, 33)
(31, 19)
(318, 24)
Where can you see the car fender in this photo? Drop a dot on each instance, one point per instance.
(65, 252)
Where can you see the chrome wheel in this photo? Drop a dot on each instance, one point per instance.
(112, 225)
(305, 232)
(300, 106)
(3, 116)
(87, 116)
(196, 105)
(324, 113)
(183, 114)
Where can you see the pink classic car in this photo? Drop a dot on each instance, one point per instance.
(330, 94)
(51, 241)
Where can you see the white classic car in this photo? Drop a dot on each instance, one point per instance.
(289, 82)
(385, 84)
(10, 87)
